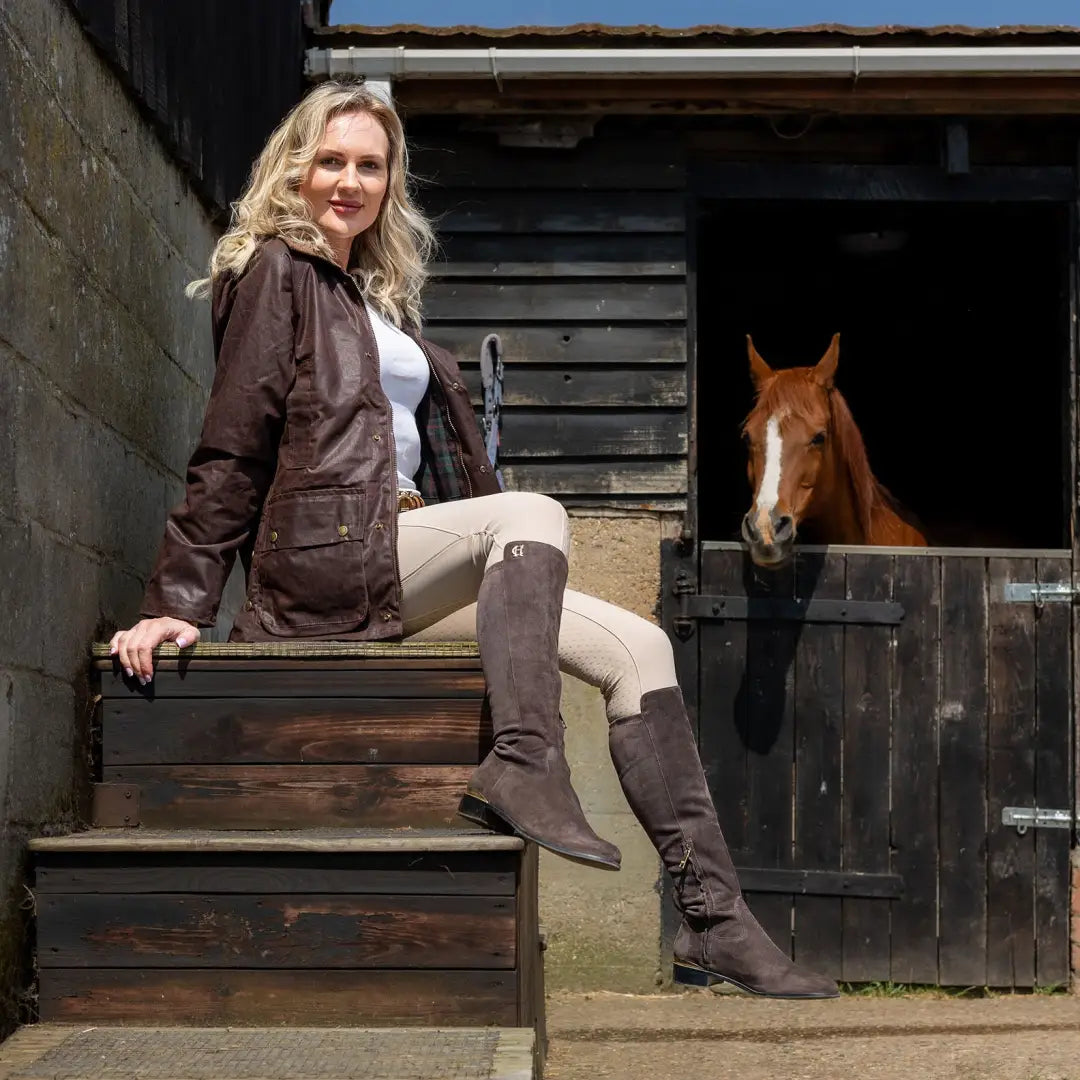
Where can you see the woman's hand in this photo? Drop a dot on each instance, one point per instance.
(135, 647)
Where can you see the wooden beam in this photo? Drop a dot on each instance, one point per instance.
(574, 388)
(950, 96)
(568, 212)
(563, 344)
(491, 302)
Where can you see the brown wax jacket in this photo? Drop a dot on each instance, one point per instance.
(295, 468)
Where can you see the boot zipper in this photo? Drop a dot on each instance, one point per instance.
(688, 850)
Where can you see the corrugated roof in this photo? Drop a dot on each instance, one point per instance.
(598, 34)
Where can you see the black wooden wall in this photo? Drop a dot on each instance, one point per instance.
(577, 258)
(215, 75)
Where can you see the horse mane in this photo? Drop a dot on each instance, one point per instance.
(869, 494)
(787, 393)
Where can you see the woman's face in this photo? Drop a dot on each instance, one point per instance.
(346, 183)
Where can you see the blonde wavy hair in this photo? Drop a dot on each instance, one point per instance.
(388, 259)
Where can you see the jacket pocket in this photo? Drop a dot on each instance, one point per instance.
(309, 563)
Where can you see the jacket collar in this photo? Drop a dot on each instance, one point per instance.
(309, 252)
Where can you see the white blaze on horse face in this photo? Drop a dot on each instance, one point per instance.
(769, 492)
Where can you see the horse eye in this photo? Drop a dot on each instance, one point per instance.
(818, 439)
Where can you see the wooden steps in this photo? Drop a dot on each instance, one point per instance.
(48, 1051)
(277, 843)
(292, 736)
(326, 927)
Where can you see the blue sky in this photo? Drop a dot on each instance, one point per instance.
(692, 12)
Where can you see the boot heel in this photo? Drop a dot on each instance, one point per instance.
(685, 975)
(475, 809)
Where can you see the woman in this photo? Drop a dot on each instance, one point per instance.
(341, 459)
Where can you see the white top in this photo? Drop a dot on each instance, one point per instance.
(404, 374)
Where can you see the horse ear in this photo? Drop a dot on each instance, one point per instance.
(825, 372)
(760, 372)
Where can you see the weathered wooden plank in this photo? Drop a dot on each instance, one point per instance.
(293, 796)
(584, 387)
(428, 731)
(606, 164)
(500, 269)
(1010, 952)
(556, 212)
(642, 478)
(821, 883)
(564, 300)
(723, 714)
(305, 680)
(917, 586)
(293, 653)
(530, 966)
(166, 930)
(962, 756)
(867, 717)
(296, 653)
(1052, 786)
(361, 840)
(613, 255)
(920, 96)
(770, 740)
(565, 344)
(405, 873)
(310, 997)
(819, 730)
(593, 433)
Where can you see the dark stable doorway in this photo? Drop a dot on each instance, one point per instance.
(953, 352)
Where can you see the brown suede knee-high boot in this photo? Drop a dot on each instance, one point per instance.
(719, 940)
(524, 782)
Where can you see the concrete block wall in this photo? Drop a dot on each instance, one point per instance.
(104, 369)
(604, 929)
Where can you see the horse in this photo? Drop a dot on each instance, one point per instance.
(808, 467)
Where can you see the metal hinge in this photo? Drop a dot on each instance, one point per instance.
(1031, 817)
(115, 806)
(684, 588)
(1028, 592)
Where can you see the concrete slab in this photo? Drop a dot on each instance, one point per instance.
(706, 1034)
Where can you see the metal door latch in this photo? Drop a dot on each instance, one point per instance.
(1028, 592)
(1031, 817)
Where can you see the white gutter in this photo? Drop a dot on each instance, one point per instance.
(386, 65)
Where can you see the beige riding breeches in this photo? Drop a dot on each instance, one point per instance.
(443, 552)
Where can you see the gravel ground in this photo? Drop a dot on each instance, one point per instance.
(710, 1035)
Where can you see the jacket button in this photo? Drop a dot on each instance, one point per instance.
(273, 537)
(343, 530)
(483, 468)
(386, 616)
(248, 605)
(455, 386)
(376, 437)
(378, 524)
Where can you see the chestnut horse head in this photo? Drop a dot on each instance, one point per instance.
(808, 466)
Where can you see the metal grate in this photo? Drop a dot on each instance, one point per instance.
(282, 1054)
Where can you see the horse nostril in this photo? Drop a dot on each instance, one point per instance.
(783, 528)
(749, 531)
